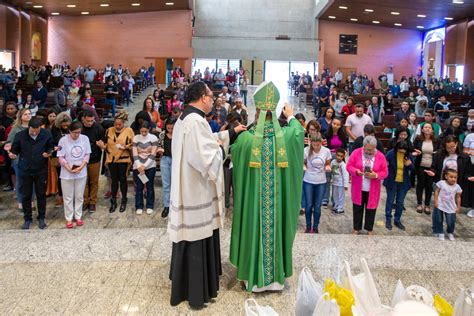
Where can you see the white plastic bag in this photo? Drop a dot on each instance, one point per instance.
(326, 307)
(400, 294)
(253, 309)
(420, 294)
(413, 308)
(307, 294)
(464, 305)
(362, 285)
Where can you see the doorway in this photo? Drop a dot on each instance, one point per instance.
(279, 73)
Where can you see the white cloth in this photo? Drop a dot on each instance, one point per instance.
(451, 162)
(315, 173)
(357, 124)
(74, 152)
(197, 180)
(447, 196)
(73, 196)
(469, 142)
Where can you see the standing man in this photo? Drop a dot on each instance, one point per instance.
(40, 95)
(95, 132)
(151, 73)
(197, 201)
(267, 175)
(355, 124)
(111, 92)
(34, 146)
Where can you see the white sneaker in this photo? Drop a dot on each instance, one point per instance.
(149, 211)
(451, 237)
(471, 213)
(139, 211)
(441, 237)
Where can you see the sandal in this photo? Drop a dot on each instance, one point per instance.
(69, 225)
(427, 210)
(419, 209)
(79, 222)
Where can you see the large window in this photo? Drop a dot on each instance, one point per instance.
(7, 59)
(201, 64)
(303, 67)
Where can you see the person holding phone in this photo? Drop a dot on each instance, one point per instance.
(73, 154)
(368, 168)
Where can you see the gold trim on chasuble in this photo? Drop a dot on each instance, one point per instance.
(267, 207)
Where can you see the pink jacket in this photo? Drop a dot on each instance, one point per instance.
(380, 168)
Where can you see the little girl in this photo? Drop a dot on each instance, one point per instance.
(340, 180)
(447, 202)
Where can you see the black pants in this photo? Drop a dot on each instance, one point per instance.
(424, 182)
(118, 173)
(227, 185)
(359, 214)
(38, 182)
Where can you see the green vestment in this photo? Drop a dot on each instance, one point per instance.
(266, 206)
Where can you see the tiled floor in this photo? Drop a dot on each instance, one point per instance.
(119, 263)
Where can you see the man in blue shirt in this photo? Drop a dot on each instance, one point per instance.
(40, 95)
(323, 95)
(151, 71)
(395, 89)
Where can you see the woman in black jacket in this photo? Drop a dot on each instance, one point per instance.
(425, 145)
(450, 156)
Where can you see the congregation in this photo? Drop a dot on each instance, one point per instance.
(63, 128)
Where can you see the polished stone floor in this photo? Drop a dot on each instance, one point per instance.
(119, 263)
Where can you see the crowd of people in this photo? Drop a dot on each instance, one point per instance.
(57, 149)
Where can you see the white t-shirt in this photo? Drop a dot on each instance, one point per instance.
(469, 142)
(74, 151)
(315, 173)
(447, 196)
(451, 162)
(367, 162)
(357, 124)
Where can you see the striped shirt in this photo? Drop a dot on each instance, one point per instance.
(144, 151)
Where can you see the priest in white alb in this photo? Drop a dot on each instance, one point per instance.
(197, 200)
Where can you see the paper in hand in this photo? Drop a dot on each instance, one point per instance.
(143, 178)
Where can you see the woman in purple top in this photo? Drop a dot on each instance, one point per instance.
(336, 138)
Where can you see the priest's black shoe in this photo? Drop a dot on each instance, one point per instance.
(388, 225)
(123, 206)
(42, 224)
(26, 225)
(113, 205)
(165, 212)
(399, 225)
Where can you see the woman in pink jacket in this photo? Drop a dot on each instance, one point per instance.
(368, 168)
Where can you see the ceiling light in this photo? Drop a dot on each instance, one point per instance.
(37, 6)
(395, 13)
(376, 22)
(397, 24)
(448, 18)
(84, 13)
(355, 20)
(458, 1)
(331, 17)
(28, 2)
(169, 3)
(420, 27)
(421, 16)
(342, 7)
(71, 5)
(135, 4)
(104, 5)
(54, 13)
(369, 10)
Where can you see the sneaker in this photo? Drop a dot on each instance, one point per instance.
(441, 237)
(149, 211)
(7, 188)
(314, 231)
(107, 195)
(325, 203)
(92, 208)
(308, 231)
(451, 237)
(42, 224)
(139, 211)
(26, 225)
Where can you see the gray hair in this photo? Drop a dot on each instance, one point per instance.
(370, 140)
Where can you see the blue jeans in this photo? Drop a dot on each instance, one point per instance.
(112, 102)
(438, 222)
(303, 198)
(397, 193)
(350, 147)
(150, 190)
(314, 196)
(19, 196)
(126, 96)
(243, 93)
(165, 166)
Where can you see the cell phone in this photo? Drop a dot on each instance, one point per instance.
(75, 167)
(53, 150)
(367, 169)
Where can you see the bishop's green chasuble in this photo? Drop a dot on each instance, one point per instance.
(267, 199)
